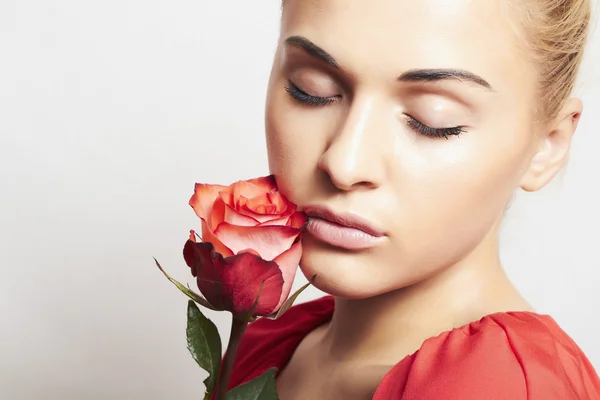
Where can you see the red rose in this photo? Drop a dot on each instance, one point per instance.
(250, 235)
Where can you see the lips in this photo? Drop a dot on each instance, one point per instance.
(345, 230)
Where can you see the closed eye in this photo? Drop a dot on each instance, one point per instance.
(425, 130)
(305, 98)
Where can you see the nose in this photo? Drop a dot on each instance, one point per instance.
(355, 157)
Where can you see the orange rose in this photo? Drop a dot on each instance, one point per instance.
(250, 237)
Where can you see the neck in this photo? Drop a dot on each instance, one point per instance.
(390, 326)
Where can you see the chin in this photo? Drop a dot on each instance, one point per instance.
(342, 273)
(364, 274)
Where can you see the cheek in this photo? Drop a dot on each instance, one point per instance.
(480, 169)
(292, 146)
(452, 197)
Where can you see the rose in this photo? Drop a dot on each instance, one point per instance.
(250, 244)
(245, 263)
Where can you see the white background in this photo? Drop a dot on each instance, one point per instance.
(109, 112)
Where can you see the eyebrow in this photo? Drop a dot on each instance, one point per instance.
(440, 74)
(415, 75)
(312, 49)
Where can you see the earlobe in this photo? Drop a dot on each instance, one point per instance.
(554, 147)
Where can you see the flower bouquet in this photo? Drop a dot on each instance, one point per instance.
(244, 262)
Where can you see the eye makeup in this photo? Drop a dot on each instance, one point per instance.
(307, 99)
(413, 123)
(428, 131)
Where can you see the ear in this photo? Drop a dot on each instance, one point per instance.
(554, 146)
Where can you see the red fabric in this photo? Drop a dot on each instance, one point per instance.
(512, 356)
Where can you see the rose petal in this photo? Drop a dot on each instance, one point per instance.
(246, 189)
(297, 220)
(201, 265)
(283, 221)
(288, 265)
(209, 236)
(227, 198)
(262, 215)
(217, 214)
(259, 217)
(267, 183)
(280, 202)
(268, 241)
(234, 218)
(259, 205)
(204, 197)
(233, 283)
(250, 251)
(242, 209)
(189, 260)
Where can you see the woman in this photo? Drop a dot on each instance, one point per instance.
(403, 128)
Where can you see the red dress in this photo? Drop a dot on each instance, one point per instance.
(512, 356)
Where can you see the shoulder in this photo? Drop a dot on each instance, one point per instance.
(270, 343)
(512, 356)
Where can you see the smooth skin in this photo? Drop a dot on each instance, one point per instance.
(376, 67)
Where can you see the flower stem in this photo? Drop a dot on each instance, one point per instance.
(238, 327)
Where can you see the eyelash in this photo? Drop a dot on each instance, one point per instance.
(414, 124)
(305, 98)
(425, 130)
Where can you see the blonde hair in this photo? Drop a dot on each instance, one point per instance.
(556, 32)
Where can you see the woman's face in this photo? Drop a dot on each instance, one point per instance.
(414, 117)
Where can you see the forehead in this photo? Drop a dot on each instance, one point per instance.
(386, 37)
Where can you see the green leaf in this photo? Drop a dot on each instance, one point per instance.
(290, 301)
(188, 292)
(261, 388)
(204, 343)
